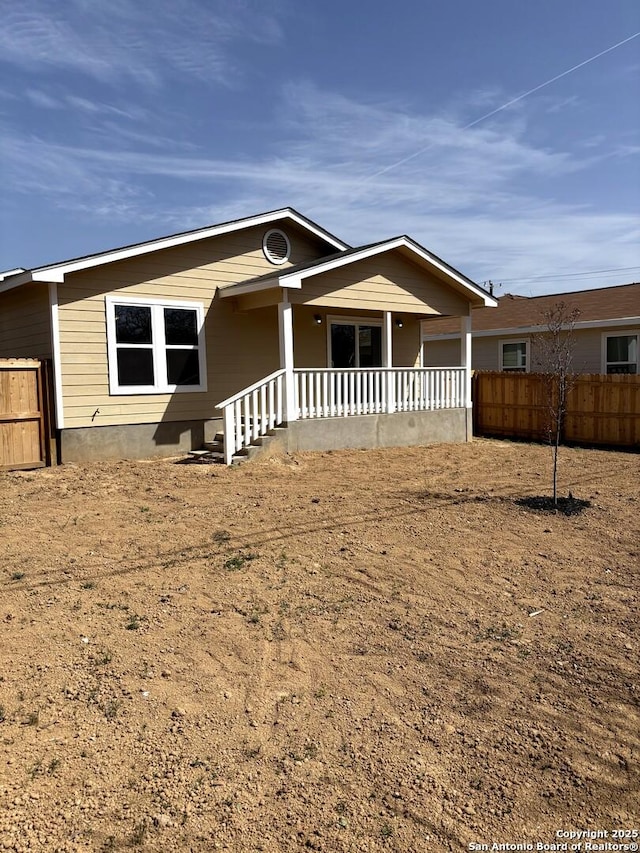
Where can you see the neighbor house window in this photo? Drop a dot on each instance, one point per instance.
(621, 352)
(155, 347)
(514, 356)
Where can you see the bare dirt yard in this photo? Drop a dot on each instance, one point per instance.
(347, 651)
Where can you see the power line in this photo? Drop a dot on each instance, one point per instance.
(584, 274)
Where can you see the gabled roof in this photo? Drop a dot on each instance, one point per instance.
(518, 314)
(294, 276)
(56, 272)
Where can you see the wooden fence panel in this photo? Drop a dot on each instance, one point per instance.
(600, 409)
(604, 410)
(505, 405)
(24, 425)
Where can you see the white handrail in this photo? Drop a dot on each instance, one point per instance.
(252, 413)
(251, 388)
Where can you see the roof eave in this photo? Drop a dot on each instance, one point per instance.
(57, 272)
(482, 297)
(16, 281)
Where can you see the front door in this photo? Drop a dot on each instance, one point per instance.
(355, 344)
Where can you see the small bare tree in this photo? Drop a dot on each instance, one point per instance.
(553, 351)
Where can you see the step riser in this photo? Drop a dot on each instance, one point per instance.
(214, 450)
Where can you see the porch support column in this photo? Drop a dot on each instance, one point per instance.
(465, 357)
(387, 358)
(285, 328)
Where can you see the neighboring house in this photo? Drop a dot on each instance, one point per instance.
(606, 332)
(255, 323)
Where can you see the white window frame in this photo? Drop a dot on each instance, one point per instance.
(343, 320)
(527, 354)
(619, 333)
(158, 345)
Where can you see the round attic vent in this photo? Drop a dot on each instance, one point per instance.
(276, 246)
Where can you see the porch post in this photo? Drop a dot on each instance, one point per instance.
(387, 358)
(465, 356)
(285, 328)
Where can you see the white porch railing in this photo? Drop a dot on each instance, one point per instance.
(252, 412)
(332, 392)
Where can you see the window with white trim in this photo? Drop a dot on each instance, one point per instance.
(155, 347)
(621, 352)
(514, 356)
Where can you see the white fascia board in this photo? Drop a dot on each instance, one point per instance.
(240, 289)
(9, 273)
(57, 272)
(371, 251)
(256, 286)
(333, 264)
(15, 281)
(534, 330)
(294, 281)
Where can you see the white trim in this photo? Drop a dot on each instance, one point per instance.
(57, 272)
(396, 243)
(285, 335)
(617, 334)
(57, 354)
(10, 273)
(466, 345)
(240, 289)
(158, 346)
(532, 330)
(527, 355)
(387, 339)
(15, 281)
(350, 319)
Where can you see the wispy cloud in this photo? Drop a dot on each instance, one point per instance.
(483, 197)
(128, 40)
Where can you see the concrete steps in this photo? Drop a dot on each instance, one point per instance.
(213, 451)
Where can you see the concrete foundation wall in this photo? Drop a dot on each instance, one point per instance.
(404, 429)
(148, 441)
(134, 441)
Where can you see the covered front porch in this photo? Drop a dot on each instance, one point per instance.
(350, 348)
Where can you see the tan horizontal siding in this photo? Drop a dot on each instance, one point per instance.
(24, 323)
(87, 387)
(311, 339)
(241, 348)
(442, 353)
(384, 283)
(406, 343)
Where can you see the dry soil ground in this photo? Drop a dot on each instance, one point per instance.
(346, 651)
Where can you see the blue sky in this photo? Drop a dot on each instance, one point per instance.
(123, 121)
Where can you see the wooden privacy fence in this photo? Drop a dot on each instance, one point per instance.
(26, 430)
(600, 409)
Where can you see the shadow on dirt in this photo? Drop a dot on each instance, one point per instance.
(544, 503)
